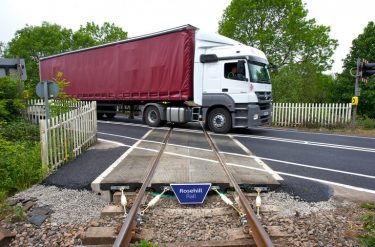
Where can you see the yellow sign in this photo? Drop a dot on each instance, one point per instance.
(355, 100)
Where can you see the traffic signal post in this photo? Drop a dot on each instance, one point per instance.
(364, 70)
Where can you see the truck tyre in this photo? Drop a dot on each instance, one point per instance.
(152, 116)
(219, 120)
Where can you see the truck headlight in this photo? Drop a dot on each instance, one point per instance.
(256, 116)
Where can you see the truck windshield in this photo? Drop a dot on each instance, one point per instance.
(259, 72)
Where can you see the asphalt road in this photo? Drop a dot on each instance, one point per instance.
(304, 158)
(309, 162)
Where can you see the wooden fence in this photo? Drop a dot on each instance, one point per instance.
(34, 111)
(312, 114)
(66, 135)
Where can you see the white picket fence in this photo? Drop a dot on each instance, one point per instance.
(34, 110)
(311, 114)
(66, 135)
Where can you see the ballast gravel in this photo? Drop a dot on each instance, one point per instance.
(69, 206)
(330, 223)
(289, 205)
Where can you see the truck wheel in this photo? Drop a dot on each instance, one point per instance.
(219, 120)
(152, 116)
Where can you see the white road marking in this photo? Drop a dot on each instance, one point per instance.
(250, 156)
(113, 142)
(95, 185)
(100, 178)
(259, 161)
(170, 144)
(128, 137)
(328, 182)
(127, 124)
(320, 144)
(314, 133)
(268, 138)
(303, 165)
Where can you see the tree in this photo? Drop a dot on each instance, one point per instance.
(362, 47)
(301, 82)
(93, 34)
(2, 47)
(35, 42)
(281, 29)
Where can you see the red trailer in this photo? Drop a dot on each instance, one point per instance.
(149, 68)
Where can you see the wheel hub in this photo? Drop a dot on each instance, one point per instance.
(152, 116)
(219, 121)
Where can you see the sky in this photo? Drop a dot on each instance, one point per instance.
(347, 19)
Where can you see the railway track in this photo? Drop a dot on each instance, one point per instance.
(257, 232)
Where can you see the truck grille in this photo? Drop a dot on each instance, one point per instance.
(265, 106)
(264, 96)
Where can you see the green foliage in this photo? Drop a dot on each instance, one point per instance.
(35, 42)
(368, 205)
(144, 243)
(5, 209)
(368, 239)
(301, 82)
(362, 47)
(19, 130)
(281, 29)
(366, 123)
(65, 103)
(301, 48)
(11, 102)
(19, 213)
(20, 165)
(92, 34)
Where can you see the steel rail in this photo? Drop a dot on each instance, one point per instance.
(260, 236)
(126, 233)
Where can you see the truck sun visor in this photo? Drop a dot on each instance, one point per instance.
(209, 58)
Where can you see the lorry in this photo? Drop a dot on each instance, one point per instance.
(177, 75)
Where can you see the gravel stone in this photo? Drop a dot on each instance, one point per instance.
(291, 206)
(69, 206)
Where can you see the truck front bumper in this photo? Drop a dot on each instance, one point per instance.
(259, 115)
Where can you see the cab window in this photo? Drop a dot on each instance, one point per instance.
(231, 72)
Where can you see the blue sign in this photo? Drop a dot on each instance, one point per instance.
(191, 193)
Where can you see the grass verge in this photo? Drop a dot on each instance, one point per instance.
(20, 163)
(367, 239)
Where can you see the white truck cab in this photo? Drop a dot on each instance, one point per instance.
(231, 83)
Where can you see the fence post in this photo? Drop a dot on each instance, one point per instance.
(44, 144)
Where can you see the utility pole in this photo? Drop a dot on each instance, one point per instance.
(356, 93)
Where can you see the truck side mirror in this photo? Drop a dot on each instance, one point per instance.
(273, 67)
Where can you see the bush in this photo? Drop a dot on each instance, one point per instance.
(20, 165)
(19, 130)
(20, 159)
(366, 123)
(11, 102)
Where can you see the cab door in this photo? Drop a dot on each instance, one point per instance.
(235, 80)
